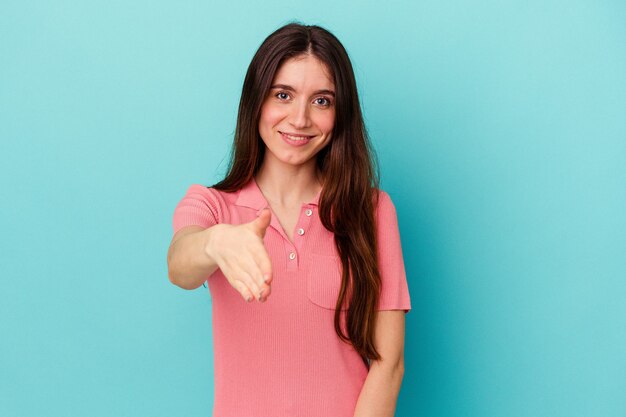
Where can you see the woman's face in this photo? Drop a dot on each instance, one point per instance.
(301, 102)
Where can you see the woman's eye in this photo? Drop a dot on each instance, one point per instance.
(281, 93)
(327, 102)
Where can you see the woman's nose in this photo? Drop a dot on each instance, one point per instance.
(300, 115)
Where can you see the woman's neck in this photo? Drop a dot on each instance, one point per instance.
(288, 189)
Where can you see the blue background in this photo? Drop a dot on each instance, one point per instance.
(502, 141)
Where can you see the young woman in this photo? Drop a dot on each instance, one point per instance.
(300, 249)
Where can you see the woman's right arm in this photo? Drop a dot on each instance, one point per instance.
(238, 250)
(189, 263)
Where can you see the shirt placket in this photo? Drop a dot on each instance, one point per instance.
(302, 227)
(293, 251)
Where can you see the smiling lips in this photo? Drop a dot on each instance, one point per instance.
(294, 136)
(296, 140)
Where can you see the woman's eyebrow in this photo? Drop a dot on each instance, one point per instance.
(288, 87)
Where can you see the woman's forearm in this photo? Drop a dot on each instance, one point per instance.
(189, 263)
(380, 391)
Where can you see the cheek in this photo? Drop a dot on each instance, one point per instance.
(270, 116)
(326, 122)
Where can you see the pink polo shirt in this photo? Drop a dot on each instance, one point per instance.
(282, 358)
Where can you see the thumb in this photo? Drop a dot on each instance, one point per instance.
(261, 223)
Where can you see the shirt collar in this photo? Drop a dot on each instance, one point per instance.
(250, 195)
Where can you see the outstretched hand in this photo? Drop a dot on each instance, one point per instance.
(242, 257)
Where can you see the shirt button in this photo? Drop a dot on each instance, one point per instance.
(300, 232)
(308, 212)
(292, 255)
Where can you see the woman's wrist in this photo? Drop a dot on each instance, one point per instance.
(209, 239)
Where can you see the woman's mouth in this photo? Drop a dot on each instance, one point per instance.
(296, 140)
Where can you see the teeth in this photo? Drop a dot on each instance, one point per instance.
(296, 137)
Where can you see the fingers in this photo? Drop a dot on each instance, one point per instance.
(261, 257)
(258, 267)
(248, 286)
(263, 272)
(264, 265)
(244, 291)
(251, 294)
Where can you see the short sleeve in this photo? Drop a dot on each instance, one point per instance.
(394, 291)
(198, 207)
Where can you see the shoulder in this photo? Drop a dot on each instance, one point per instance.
(202, 206)
(385, 213)
(209, 195)
(202, 190)
(383, 202)
(200, 197)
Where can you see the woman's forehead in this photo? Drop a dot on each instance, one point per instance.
(304, 72)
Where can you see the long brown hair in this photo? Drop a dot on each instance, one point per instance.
(348, 166)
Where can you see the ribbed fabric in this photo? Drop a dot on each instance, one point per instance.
(282, 358)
